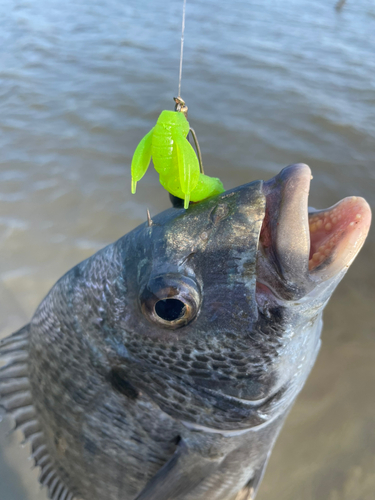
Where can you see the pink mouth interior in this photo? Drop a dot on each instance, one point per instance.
(328, 228)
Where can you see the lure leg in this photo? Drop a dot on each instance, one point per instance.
(188, 165)
(141, 159)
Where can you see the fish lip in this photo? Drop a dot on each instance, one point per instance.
(284, 241)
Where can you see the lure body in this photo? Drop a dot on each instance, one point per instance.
(174, 159)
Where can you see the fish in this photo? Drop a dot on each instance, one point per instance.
(164, 366)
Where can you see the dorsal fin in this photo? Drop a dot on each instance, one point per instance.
(16, 399)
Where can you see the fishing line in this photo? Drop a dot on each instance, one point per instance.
(182, 47)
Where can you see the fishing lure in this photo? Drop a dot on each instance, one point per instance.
(180, 171)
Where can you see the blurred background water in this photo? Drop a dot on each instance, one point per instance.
(267, 84)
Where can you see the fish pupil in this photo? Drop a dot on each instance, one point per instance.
(170, 309)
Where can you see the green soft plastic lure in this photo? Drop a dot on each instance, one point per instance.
(174, 159)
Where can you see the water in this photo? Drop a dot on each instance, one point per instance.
(267, 84)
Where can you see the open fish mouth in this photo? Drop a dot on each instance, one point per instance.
(303, 244)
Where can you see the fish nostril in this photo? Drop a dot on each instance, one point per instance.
(170, 309)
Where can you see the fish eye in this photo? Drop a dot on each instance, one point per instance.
(171, 301)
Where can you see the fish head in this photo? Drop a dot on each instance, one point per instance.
(215, 312)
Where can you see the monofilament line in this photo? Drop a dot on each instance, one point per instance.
(182, 47)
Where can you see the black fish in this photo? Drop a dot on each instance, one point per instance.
(163, 367)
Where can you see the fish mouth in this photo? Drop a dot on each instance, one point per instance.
(299, 245)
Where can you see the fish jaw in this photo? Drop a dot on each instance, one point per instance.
(300, 247)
